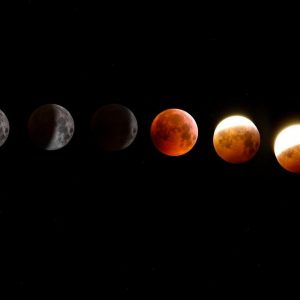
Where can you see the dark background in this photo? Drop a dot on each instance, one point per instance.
(136, 222)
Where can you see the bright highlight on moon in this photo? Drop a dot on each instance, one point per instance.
(287, 148)
(234, 121)
(236, 139)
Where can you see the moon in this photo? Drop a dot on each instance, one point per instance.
(114, 127)
(236, 139)
(174, 132)
(287, 148)
(4, 128)
(51, 127)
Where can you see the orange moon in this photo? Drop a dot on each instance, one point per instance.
(236, 139)
(174, 132)
(287, 148)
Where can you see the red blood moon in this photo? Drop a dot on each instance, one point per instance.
(174, 132)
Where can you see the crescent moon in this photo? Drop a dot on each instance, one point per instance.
(4, 128)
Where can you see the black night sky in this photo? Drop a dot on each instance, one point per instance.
(137, 223)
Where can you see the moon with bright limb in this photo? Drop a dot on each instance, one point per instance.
(236, 139)
(287, 148)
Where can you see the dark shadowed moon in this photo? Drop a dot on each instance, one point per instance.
(236, 139)
(4, 128)
(51, 127)
(114, 127)
(174, 132)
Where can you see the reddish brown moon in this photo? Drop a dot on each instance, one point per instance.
(287, 148)
(236, 139)
(174, 132)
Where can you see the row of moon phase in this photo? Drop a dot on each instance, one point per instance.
(174, 132)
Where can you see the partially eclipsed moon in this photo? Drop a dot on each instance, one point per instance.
(236, 139)
(51, 127)
(4, 128)
(174, 132)
(114, 127)
(287, 148)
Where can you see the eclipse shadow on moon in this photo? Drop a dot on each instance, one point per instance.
(174, 132)
(287, 148)
(51, 127)
(4, 128)
(236, 139)
(114, 127)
